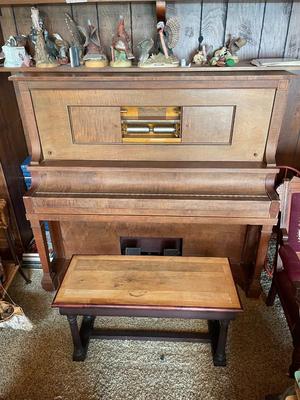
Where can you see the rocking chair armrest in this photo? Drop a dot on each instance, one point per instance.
(291, 263)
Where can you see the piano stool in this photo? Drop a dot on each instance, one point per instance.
(148, 286)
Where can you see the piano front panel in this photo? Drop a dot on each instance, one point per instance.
(203, 240)
(215, 124)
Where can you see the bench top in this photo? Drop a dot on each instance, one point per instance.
(196, 283)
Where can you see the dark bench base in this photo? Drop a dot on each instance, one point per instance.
(216, 335)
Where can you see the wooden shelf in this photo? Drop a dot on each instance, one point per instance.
(242, 66)
(33, 3)
(11, 270)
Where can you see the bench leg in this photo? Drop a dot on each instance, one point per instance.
(80, 338)
(218, 331)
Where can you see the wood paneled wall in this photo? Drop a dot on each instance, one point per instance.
(271, 28)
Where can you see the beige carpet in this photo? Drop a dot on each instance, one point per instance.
(38, 366)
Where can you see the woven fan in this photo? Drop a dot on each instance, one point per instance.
(172, 30)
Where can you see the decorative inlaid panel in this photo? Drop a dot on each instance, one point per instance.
(208, 125)
(95, 125)
(218, 124)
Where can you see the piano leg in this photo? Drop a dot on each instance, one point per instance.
(254, 288)
(42, 247)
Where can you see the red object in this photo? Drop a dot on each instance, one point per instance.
(286, 277)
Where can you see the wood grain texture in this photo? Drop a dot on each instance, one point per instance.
(275, 28)
(84, 12)
(208, 125)
(189, 14)
(56, 139)
(55, 19)
(292, 48)
(8, 24)
(23, 19)
(244, 65)
(213, 23)
(215, 20)
(89, 125)
(143, 23)
(288, 151)
(246, 19)
(199, 240)
(108, 16)
(149, 281)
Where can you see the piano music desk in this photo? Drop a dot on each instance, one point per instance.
(147, 286)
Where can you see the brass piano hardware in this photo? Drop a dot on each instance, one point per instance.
(151, 125)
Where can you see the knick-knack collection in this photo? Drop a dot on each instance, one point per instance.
(85, 48)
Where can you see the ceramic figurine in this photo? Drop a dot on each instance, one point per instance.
(62, 47)
(51, 46)
(78, 39)
(226, 56)
(42, 57)
(200, 58)
(15, 54)
(121, 53)
(144, 48)
(166, 39)
(94, 57)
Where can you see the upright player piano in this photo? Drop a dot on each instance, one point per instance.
(183, 155)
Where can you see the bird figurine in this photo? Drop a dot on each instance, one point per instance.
(144, 48)
(167, 37)
(43, 58)
(94, 57)
(121, 53)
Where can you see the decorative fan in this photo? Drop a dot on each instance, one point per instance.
(172, 30)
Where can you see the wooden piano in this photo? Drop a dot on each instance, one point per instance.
(154, 154)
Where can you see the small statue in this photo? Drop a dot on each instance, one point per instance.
(226, 56)
(95, 57)
(42, 57)
(15, 53)
(200, 58)
(78, 39)
(121, 53)
(51, 46)
(144, 48)
(166, 39)
(63, 47)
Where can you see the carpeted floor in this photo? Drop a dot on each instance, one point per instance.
(38, 366)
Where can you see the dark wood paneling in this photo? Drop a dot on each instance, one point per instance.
(13, 151)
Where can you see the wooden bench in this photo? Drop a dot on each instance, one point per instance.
(148, 286)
